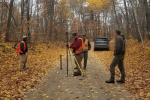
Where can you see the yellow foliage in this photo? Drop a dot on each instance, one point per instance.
(98, 4)
(62, 10)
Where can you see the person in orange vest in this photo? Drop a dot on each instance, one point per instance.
(22, 50)
(77, 47)
(87, 47)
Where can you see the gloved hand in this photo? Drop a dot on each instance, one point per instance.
(67, 46)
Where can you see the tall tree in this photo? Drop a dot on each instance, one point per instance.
(114, 8)
(51, 17)
(127, 19)
(137, 23)
(1, 24)
(147, 11)
(22, 14)
(28, 20)
(9, 21)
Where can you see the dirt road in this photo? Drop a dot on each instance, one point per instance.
(57, 86)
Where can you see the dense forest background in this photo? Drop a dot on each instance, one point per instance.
(48, 20)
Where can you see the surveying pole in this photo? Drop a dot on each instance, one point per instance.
(67, 51)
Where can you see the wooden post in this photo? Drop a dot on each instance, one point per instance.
(60, 62)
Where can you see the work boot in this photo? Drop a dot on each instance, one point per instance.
(79, 74)
(76, 74)
(26, 68)
(21, 70)
(76, 68)
(121, 81)
(110, 81)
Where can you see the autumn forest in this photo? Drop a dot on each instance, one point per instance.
(45, 23)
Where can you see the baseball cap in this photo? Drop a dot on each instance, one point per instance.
(24, 37)
(118, 31)
(74, 34)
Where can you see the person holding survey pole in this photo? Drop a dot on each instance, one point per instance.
(77, 47)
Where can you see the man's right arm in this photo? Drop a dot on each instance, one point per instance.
(22, 47)
(77, 45)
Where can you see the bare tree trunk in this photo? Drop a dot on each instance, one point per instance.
(9, 20)
(113, 21)
(22, 14)
(121, 24)
(113, 2)
(31, 26)
(127, 19)
(46, 24)
(37, 19)
(99, 24)
(28, 20)
(1, 20)
(104, 23)
(137, 23)
(51, 18)
(143, 20)
(147, 10)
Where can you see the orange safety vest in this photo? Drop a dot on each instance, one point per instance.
(81, 48)
(19, 50)
(86, 45)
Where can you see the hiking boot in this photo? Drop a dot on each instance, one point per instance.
(121, 81)
(21, 70)
(76, 68)
(110, 81)
(26, 68)
(76, 74)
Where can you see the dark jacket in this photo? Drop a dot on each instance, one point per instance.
(22, 48)
(119, 46)
(76, 43)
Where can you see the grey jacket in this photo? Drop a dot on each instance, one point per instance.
(119, 46)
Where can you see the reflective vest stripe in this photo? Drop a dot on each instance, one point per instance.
(86, 45)
(80, 51)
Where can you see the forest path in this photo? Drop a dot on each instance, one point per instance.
(57, 86)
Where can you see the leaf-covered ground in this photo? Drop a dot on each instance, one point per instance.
(57, 86)
(137, 67)
(41, 57)
(15, 84)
